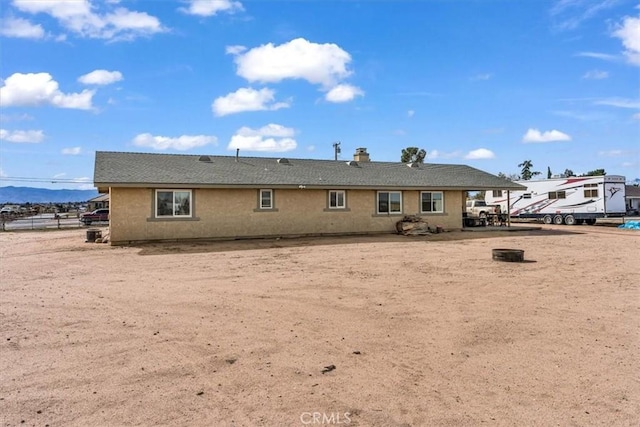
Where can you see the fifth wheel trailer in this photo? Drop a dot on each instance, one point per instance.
(573, 200)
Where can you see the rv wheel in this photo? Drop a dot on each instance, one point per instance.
(548, 219)
(569, 220)
(557, 220)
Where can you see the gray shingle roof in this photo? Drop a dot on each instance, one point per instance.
(134, 169)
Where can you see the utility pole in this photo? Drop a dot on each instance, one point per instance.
(336, 150)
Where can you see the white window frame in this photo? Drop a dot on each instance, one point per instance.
(441, 193)
(260, 199)
(389, 212)
(337, 205)
(173, 207)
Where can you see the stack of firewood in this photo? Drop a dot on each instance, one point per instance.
(412, 225)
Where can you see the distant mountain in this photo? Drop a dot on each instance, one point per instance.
(19, 195)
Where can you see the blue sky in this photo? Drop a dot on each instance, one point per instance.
(486, 83)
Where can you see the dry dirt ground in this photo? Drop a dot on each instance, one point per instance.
(421, 331)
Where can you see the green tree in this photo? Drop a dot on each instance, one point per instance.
(567, 173)
(413, 155)
(595, 172)
(548, 172)
(526, 172)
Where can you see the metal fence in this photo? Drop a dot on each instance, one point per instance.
(43, 222)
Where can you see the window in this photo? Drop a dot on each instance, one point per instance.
(557, 195)
(526, 196)
(591, 190)
(431, 201)
(497, 193)
(266, 199)
(389, 202)
(173, 203)
(337, 199)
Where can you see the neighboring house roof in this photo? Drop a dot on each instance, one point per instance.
(100, 198)
(117, 169)
(632, 191)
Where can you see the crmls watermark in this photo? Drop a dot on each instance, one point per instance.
(324, 418)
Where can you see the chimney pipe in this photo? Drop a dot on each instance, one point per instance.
(237, 154)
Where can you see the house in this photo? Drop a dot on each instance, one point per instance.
(164, 197)
(632, 197)
(99, 202)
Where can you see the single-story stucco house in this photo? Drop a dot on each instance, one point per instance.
(160, 197)
(99, 202)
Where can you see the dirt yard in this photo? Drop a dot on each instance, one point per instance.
(421, 331)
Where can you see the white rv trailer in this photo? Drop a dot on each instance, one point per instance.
(572, 200)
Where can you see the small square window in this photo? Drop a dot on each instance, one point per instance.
(173, 203)
(337, 199)
(431, 202)
(390, 202)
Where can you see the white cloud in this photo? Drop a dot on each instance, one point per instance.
(619, 102)
(100, 77)
(411, 113)
(235, 50)
(480, 154)
(87, 18)
(246, 99)
(343, 93)
(211, 7)
(597, 55)
(32, 90)
(534, 135)
(71, 151)
(570, 14)
(636, 116)
(60, 175)
(22, 136)
(323, 64)
(5, 118)
(479, 77)
(616, 153)
(435, 154)
(595, 75)
(629, 33)
(272, 137)
(21, 28)
(181, 143)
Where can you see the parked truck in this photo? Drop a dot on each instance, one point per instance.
(572, 200)
(478, 213)
(480, 208)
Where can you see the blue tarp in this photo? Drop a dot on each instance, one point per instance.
(631, 225)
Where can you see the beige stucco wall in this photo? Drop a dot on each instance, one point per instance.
(231, 213)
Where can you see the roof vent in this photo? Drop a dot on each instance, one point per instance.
(283, 161)
(352, 163)
(413, 165)
(206, 159)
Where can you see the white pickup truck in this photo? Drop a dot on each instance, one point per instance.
(480, 209)
(479, 214)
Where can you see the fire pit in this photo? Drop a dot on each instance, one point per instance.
(508, 255)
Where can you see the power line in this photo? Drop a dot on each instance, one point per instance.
(51, 180)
